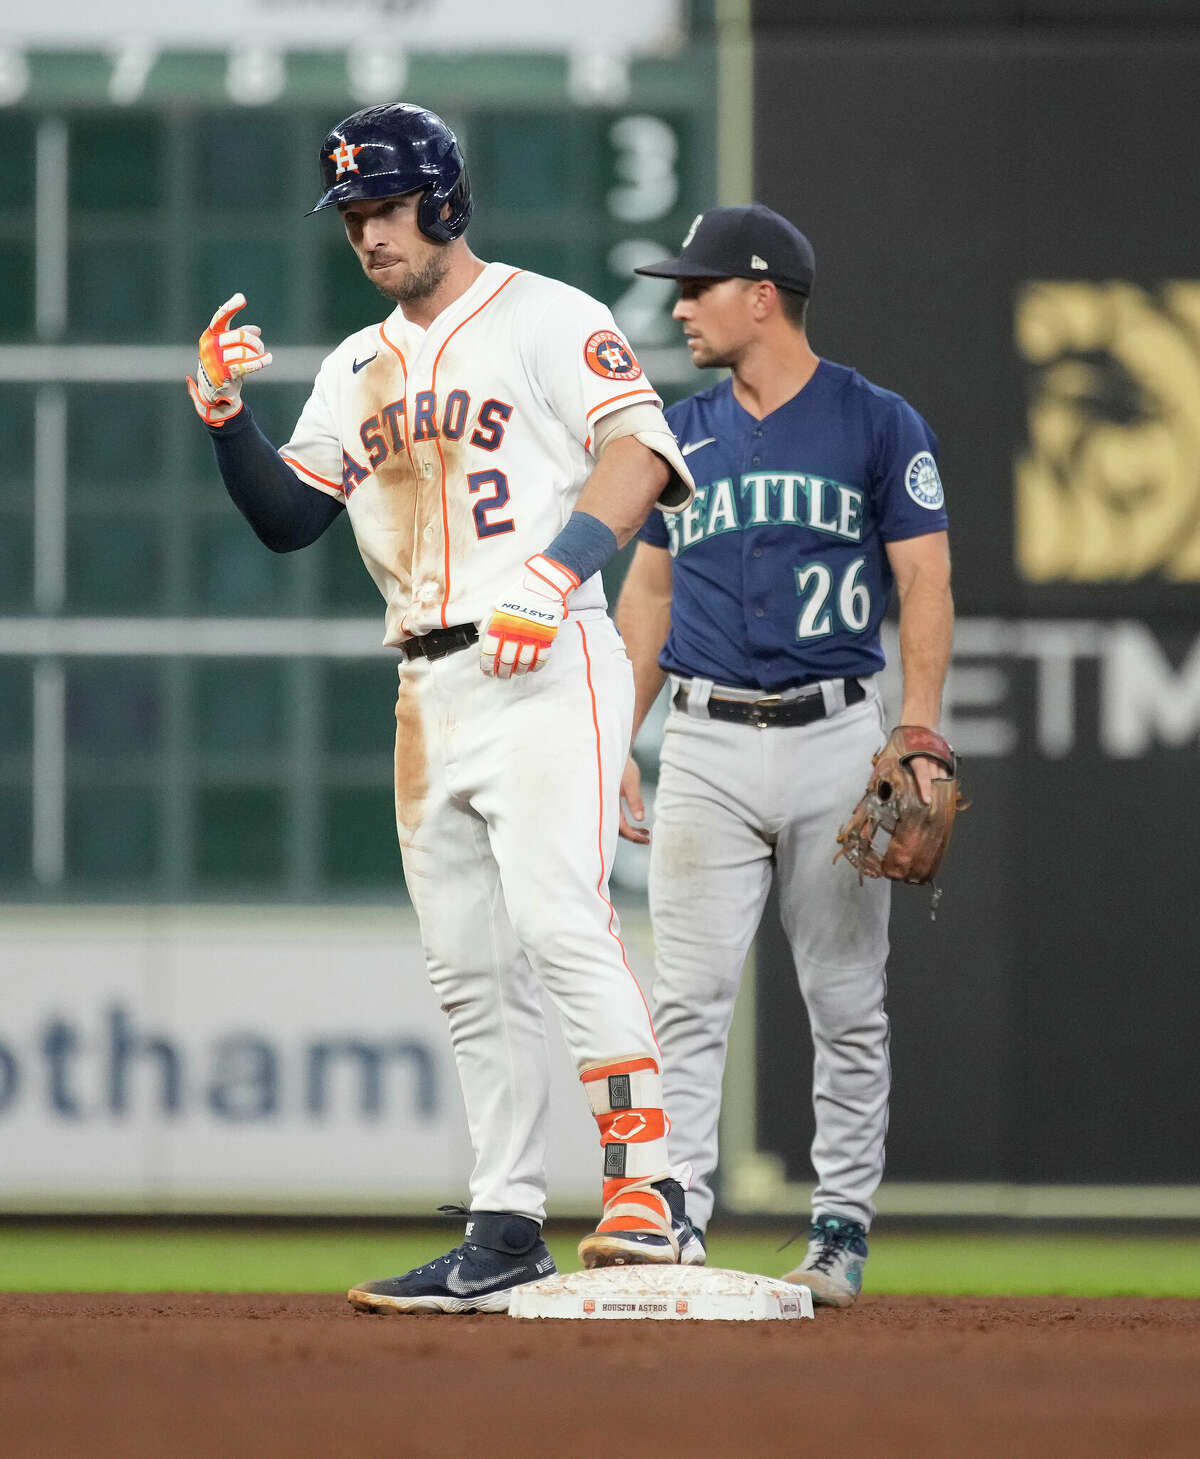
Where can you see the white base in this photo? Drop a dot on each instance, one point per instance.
(670, 1293)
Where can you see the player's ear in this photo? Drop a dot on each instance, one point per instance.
(766, 298)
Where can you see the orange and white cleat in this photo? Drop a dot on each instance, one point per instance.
(638, 1227)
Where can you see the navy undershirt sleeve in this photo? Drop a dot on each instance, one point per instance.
(285, 513)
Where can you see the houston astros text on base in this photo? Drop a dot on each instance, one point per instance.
(762, 602)
(493, 441)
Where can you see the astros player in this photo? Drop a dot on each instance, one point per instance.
(493, 442)
(762, 602)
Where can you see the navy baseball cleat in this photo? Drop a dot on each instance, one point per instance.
(692, 1250)
(833, 1265)
(499, 1252)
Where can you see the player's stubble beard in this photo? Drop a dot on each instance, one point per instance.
(417, 284)
(704, 357)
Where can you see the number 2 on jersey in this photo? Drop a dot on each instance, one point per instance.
(814, 584)
(499, 497)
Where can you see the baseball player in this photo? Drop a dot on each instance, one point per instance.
(493, 442)
(762, 603)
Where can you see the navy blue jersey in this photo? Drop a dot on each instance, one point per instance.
(779, 573)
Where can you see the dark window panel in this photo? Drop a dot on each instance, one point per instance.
(346, 587)
(522, 159)
(112, 833)
(17, 296)
(114, 707)
(117, 439)
(16, 831)
(261, 145)
(194, 446)
(359, 844)
(117, 163)
(16, 562)
(234, 572)
(118, 292)
(240, 706)
(16, 705)
(20, 134)
(115, 563)
(16, 438)
(276, 407)
(346, 301)
(257, 270)
(360, 710)
(239, 838)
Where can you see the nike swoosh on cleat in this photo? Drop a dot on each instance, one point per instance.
(457, 1284)
(695, 445)
(362, 364)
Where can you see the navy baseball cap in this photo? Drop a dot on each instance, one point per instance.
(748, 242)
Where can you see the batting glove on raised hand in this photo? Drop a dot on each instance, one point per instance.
(518, 636)
(226, 357)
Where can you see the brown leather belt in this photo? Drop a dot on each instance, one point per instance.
(440, 642)
(772, 711)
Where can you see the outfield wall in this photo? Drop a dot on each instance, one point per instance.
(240, 1059)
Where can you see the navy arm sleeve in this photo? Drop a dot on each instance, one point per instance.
(285, 512)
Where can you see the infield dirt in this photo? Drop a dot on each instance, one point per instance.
(180, 1375)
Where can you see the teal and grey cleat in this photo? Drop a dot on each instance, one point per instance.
(832, 1268)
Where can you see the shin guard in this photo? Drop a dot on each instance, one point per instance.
(626, 1098)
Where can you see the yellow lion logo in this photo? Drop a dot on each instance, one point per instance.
(1109, 487)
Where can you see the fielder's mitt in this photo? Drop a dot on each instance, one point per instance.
(916, 834)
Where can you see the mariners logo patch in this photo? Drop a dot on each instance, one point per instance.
(922, 482)
(609, 356)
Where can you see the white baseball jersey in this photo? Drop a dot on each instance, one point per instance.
(460, 450)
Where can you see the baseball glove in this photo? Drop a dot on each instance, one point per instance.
(917, 834)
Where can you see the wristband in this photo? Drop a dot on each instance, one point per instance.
(583, 546)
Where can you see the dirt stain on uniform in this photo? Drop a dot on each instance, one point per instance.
(394, 505)
(411, 764)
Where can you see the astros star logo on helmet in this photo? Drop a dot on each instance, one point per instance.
(343, 157)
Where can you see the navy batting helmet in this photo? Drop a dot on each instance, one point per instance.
(384, 151)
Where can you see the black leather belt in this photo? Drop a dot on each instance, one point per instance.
(770, 711)
(440, 642)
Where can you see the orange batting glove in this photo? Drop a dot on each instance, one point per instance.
(518, 636)
(226, 357)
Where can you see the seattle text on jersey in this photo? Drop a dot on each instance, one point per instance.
(763, 499)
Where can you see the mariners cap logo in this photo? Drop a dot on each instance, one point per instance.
(343, 158)
(608, 356)
(923, 483)
(691, 233)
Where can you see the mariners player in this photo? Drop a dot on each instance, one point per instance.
(762, 603)
(493, 441)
